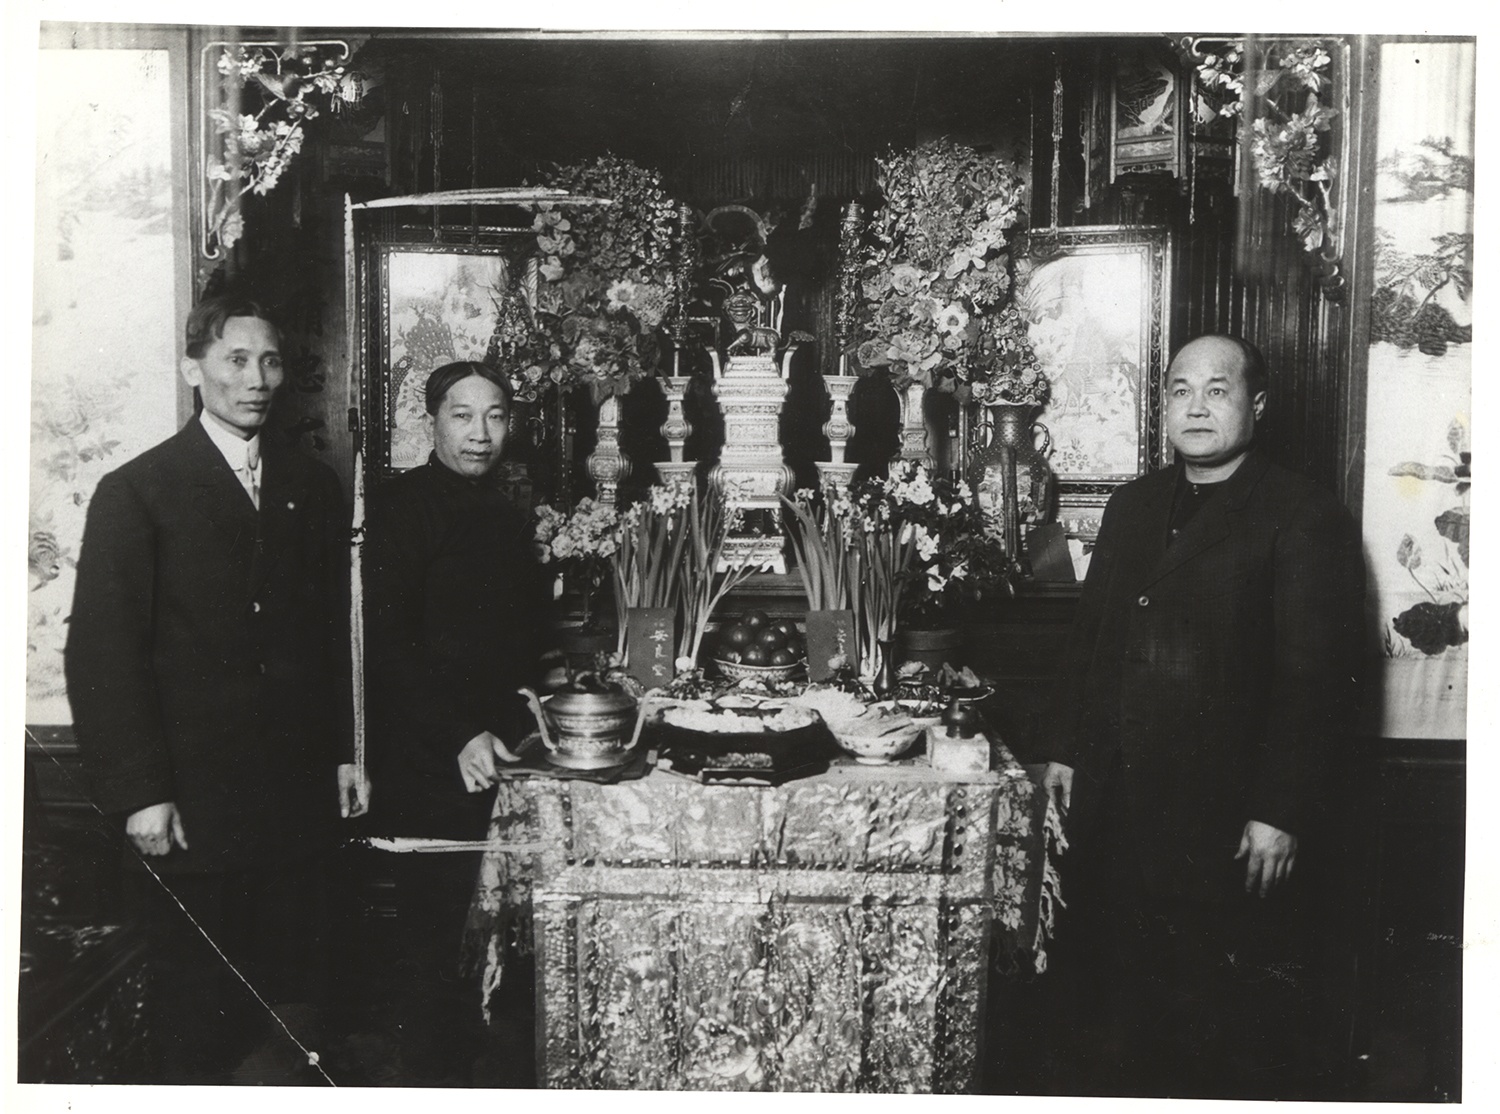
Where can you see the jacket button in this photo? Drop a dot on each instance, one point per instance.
(1144, 601)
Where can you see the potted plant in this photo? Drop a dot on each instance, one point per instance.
(1011, 475)
(606, 277)
(934, 263)
(881, 547)
(708, 573)
(582, 544)
(653, 537)
(818, 540)
(605, 282)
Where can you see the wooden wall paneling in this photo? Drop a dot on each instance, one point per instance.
(1406, 1039)
(1305, 335)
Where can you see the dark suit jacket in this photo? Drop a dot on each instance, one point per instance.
(1212, 676)
(207, 655)
(456, 605)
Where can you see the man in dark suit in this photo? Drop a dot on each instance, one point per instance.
(1208, 677)
(457, 607)
(208, 671)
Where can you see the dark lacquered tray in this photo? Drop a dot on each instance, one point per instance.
(753, 757)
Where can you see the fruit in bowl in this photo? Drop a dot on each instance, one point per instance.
(772, 638)
(736, 637)
(753, 645)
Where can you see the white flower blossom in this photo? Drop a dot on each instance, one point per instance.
(919, 491)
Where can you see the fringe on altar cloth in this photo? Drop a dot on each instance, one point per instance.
(1050, 899)
(499, 921)
(501, 894)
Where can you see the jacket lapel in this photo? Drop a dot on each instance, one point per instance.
(282, 504)
(1209, 527)
(1148, 529)
(217, 493)
(1212, 524)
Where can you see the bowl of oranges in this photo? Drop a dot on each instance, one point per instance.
(755, 646)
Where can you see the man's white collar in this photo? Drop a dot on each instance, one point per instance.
(234, 448)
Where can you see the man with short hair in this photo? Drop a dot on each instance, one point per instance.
(456, 610)
(1208, 676)
(208, 671)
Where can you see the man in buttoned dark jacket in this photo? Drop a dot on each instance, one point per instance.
(1208, 677)
(207, 665)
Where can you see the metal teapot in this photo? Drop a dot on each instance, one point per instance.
(586, 730)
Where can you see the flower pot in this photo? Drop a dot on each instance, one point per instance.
(933, 647)
(580, 644)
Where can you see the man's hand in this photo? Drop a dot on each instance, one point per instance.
(354, 791)
(476, 762)
(1272, 854)
(1057, 780)
(153, 829)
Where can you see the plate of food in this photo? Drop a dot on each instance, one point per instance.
(742, 733)
(964, 684)
(732, 714)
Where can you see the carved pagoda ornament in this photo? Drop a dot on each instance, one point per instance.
(750, 385)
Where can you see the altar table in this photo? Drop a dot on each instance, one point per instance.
(834, 933)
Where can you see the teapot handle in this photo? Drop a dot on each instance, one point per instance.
(1046, 437)
(541, 717)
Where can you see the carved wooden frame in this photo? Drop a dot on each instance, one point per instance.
(1152, 246)
(511, 245)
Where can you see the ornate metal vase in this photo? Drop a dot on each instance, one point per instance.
(1010, 474)
(914, 426)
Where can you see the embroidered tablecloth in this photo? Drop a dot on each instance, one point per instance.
(835, 933)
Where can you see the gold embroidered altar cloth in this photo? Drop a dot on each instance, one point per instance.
(830, 934)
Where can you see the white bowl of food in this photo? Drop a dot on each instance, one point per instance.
(877, 736)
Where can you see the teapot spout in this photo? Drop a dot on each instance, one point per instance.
(535, 704)
(640, 721)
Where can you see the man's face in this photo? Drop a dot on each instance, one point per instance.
(1210, 413)
(470, 426)
(238, 374)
